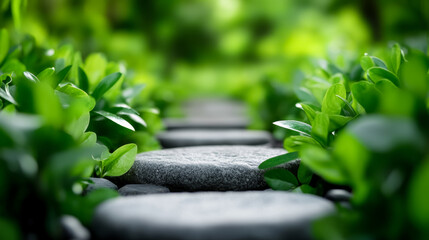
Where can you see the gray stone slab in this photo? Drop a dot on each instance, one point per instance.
(212, 168)
(72, 229)
(214, 107)
(141, 189)
(202, 122)
(254, 215)
(100, 183)
(185, 138)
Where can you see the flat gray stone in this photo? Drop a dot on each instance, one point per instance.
(99, 183)
(214, 107)
(202, 122)
(185, 138)
(72, 229)
(338, 195)
(212, 168)
(140, 189)
(211, 215)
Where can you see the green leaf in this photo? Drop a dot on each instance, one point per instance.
(320, 128)
(72, 94)
(338, 121)
(309, 111)
(83, 80)
(378, 62)
(296, 126)
(135, 118)
(77, 127)
(47, 76)
(319, 160)
(120, 161)
(61, 75)
(294, 143)
(304, 174)
(105, 84)
(4, 44)
(377, 74)
(88, 139)
(30, 76)
(366, 62)
(331, 103)
(280, 179)
(367, 95)
(116, 119)
(305, 188)
(5, 94)
(275, 161)
(347, 107)
(396, 58)
(132, 92)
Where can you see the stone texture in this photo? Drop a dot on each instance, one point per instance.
(338, 195)
(185, 138)
(140, 189)
(100, 183)
(72, 229)
(211, 215)
(214, 107)
(200, 122)
(213, 168)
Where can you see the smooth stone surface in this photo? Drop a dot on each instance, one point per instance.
(338, 195)
(185, 138)
(72, 229)
(212, 168)
(99, 183)
(211, 215)
(206, 123)
(214, 107)
(140, 189)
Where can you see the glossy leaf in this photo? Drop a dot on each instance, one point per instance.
(120, 161)
(116, 119)
(396, 58)
(367, 95)
(319, 160)
(83, 80)
(331, 103)
(296, 126)
(377, 74)
(30, 76)
(280, 179)
(366, 62)
(105, 84)
(294, 143)
(320, 128)
(278, 160)
(61, 75)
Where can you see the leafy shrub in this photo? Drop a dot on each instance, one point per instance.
(371, 136)
(49, 100)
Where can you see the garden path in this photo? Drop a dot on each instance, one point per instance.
(217, 190)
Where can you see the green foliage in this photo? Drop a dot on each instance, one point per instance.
(377, 147)
(47, 152)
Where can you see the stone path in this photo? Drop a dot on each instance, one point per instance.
(207, 157)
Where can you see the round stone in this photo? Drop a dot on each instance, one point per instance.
(211, 215)
(185, 138)
(212, 168)
(140, 189)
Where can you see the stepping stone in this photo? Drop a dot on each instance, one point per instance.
(72, 229)
(338, 195)
(185, 138)
(212, 168)
(140, 189)
(215, 107)
(99, 183)
(200, 122)
(211, 215)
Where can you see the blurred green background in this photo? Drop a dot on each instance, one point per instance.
(249, 50)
